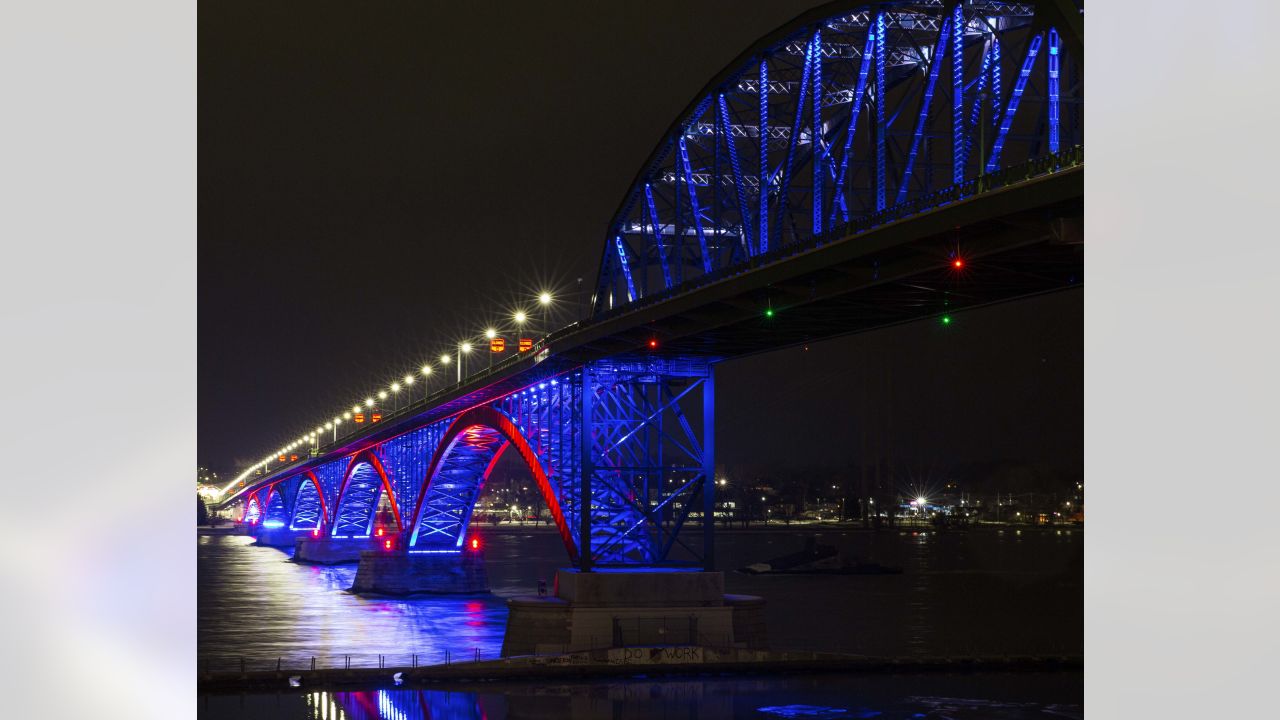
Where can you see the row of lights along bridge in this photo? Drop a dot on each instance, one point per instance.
(370, 409)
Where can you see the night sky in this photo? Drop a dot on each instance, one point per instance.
(378, 180)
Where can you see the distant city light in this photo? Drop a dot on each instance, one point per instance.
(957, 263)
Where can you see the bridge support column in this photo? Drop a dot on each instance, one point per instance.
(326, 550)
(281, 537)
(410, 572)
(610, 608)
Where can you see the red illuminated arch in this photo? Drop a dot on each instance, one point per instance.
(369, 457)
(489, 417)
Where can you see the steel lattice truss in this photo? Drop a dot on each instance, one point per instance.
(840, 119)
(649, 467)
(308, 511)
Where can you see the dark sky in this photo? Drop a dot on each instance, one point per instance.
(379, 179)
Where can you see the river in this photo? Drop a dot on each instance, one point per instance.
(977, 592)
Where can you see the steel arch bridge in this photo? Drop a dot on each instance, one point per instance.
(863, 165)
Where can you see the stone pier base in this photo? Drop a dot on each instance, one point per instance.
(611, 608)
(279, 537)
(408, 572)
(330, 551)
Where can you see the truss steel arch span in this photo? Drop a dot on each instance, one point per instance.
(276, 508)
(309, 510)
(840, 119)
(363, 484)
(465, 457)
(252, 510)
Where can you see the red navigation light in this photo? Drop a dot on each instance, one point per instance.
(526, 344)
(380, 532)
(315, 533)
(387, 544)
(498, 345)
(475, 543)
(957, 263)
(653, 344)
(359, 417)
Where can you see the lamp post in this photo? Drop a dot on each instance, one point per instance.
(544, 299)
(463, 349)
(519, 317)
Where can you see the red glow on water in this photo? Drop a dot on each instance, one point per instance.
(379, 532)
(387, 544)
(475, 543)
(315, 533)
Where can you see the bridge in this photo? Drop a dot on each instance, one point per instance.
(862, 166)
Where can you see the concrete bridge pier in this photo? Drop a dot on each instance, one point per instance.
(410, 572)
(633, 608)
(281, 537)
(327, 550)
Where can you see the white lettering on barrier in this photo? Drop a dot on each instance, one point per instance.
(655, 656)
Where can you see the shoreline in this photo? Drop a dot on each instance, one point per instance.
(609, 664)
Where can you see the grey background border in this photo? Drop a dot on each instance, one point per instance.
(98, 359)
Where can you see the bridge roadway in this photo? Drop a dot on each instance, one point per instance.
(1018, 240)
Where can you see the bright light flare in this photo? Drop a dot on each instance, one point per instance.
(544, 298)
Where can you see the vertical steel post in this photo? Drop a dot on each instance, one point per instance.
(588, 470)
(880, 100)
(709, 470)
(763, 133)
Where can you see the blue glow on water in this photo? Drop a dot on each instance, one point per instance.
(273, 524)
(808, 711)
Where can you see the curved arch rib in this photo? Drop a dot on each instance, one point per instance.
(461, 464)
(366, 497)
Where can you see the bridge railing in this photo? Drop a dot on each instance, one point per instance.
(988, 182)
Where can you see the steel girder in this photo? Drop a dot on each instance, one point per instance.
(645, 469)
(792, 142)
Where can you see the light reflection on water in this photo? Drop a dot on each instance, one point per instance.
(977, 592)
(967, 697)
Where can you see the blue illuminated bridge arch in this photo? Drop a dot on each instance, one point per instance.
(862, 166)
(851, 116)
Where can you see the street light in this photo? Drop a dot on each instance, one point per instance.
(490, 334)
(463, 349)
(426, 373)
(544, 300)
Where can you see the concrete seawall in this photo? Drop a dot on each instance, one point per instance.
(626, 662)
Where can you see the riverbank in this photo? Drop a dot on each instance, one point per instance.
(641, 662)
